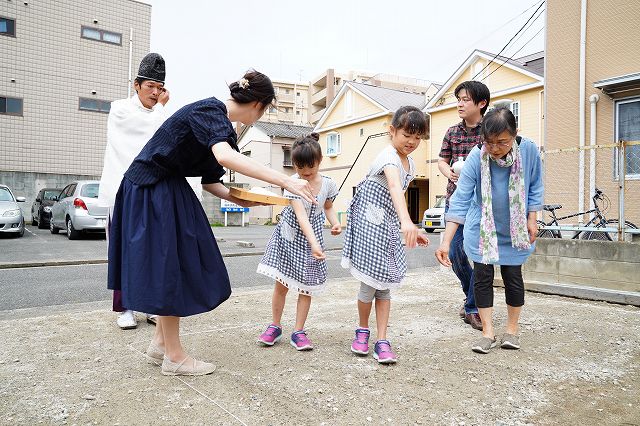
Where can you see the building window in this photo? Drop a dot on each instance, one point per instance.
(7, 26)
(272, 110)
(287, 91)
(97, 105)
(10, 106)
(333, 144)
(247, 153)
(515, 109)
(101, 35)
(286, 160)
(361, 131)
(297, 112)
(628, 129)
(297, 93)
(348, 104)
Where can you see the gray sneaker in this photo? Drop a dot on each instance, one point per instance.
(509, 341)
(483, 345)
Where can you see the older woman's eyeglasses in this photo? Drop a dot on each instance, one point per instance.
(494, 145)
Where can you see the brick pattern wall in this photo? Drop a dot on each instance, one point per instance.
(52, 67)
(611, 50)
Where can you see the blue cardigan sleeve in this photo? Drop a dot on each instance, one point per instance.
(536, 186)
(469, 178)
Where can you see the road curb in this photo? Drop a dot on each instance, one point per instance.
(15, 265)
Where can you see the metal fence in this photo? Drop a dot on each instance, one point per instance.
(585, 197)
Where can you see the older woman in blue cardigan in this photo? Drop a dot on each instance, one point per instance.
(499, 191)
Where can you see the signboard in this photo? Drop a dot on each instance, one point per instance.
(228, 206)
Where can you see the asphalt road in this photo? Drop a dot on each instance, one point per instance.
(59, 285)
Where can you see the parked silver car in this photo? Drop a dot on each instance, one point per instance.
(76, 210)
(433, 218)
(11, 216)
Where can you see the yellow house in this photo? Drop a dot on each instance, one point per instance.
(517, 83)
(593, 98)
(353, 130)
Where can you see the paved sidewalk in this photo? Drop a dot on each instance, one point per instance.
(579, 364)
(39, 248)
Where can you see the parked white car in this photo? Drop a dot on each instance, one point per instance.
(76, 210)
(433, 218)
(11, 217)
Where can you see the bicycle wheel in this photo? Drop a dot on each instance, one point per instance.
(544, 233)
(596, 235)
(613, 223)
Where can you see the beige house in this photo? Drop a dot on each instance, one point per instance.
(292, 103)
(324, 87)
(353, 130)
(593, 98)
(269, 144)
(516, 83)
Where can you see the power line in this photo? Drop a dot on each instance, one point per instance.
(527, 29)
(509, 42)
(475, 43)
(507, 60)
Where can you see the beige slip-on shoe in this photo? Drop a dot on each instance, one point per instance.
(187, 367)
(154, 354)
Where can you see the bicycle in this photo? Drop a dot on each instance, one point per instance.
(598, 221)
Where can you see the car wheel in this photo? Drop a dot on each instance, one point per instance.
(34, 222)
(41, 224)
(52, 227)
(22, 230)
(72, 233)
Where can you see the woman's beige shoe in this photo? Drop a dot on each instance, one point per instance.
(187, 367)
(154, 354)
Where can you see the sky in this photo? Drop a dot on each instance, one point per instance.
(208, 44)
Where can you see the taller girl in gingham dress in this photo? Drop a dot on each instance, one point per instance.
(373, 250)
(294, 256)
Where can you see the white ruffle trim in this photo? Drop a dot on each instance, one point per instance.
(371, 282)
(288, 282)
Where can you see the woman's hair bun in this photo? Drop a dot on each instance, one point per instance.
(315, 136)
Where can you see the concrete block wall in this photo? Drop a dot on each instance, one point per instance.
(595, 270)
(602, 264)
(28, 185)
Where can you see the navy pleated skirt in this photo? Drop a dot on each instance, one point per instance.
(162, 252)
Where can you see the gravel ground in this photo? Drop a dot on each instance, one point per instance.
(579, 364)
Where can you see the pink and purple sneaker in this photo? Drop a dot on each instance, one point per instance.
(360, 344)
(300, 341)
(271, 335)
(383, 354)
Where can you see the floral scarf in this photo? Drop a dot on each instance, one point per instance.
(517, 211)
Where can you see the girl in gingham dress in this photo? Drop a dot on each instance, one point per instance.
(294, 256)
(373, 250)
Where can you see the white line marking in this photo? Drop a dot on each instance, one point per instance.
(195, 390)
(34, 234)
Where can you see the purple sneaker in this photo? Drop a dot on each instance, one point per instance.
(383, 353)
(271, 335)
(300, 341)
(360, 344)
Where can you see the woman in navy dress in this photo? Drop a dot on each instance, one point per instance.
(162, 253)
